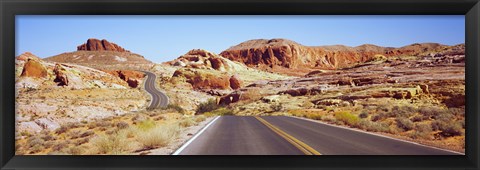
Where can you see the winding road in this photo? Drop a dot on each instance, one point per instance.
(159, 99)
(282, 135)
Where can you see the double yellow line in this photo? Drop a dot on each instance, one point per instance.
(294, 141)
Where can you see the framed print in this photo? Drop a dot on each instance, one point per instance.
(239, 85)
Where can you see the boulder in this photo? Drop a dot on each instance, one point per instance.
(61, 77)
(235, 82)
(33, 68)
(231, 98)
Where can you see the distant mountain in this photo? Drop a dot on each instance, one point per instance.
(100, 54)
(286, 54)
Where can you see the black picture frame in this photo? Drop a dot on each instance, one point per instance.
(10, 8)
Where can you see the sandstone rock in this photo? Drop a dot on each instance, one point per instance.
(30, 127)
(231, 98)
(61, 77)
(130, 76)
(93, 44)
(201, 59)
(26, 56)
(203, 80)
(235, 82)
(47, 124)
(266, 54)
(133, 83)
(34, 68)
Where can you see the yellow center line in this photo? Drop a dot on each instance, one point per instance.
(294, 141)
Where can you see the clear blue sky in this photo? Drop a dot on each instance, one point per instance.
(163, 38)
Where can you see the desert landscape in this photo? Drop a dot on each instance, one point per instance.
(96, 100)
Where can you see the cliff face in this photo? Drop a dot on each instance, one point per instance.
(263, 53)
(93, 44)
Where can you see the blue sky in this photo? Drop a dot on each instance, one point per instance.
(163, 38)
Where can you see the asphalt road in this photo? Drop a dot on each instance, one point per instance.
(281, 135)
(159, 99)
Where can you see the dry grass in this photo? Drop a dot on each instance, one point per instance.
(114, 144)
(158, 136)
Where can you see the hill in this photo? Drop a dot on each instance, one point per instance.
(102, 54)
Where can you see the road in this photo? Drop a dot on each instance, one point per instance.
(282, 135)
(159, 99)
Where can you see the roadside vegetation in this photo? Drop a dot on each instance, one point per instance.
(129, 134)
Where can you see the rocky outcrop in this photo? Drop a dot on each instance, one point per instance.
(130, 76)
(264, 53)
(33, 68)
(203, 80)
(235, 82)
(202, 59)
(93, 44)
(26, 56)
(230, 98)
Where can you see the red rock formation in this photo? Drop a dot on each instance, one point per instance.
(34, 68)
(227, 99)
(289, 54)
(100, 45)
(235, 82)
(202, 81)
(203, 59)
(130, 76)
(27, 55)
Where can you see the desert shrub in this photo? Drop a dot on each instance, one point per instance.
(430, 111)
(448, 129)
(59, 146)
(112, 144)
(373, 126)
(404, 123)
(314, 116)
(200, 118)
(87, 134)
(276, 107)
(380, 116)
(81, 141)
(444, 115)
(423, 131)
(61, 130)
(457, 111)
(347, 118)
(122, 125)
(77, 150)
(403, 111)
(363, 114)
(159, 136)
(207, 106)
(35, 140)
(383, 108)
(418, 118)
(175, 107)
(187, 122)
(36, 148)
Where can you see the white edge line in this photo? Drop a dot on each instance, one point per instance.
(375, 134)
(194, 137)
